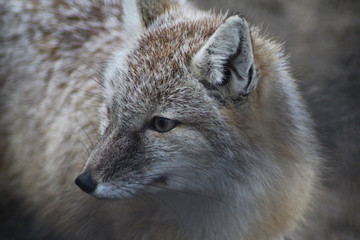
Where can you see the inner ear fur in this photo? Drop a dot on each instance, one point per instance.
(226, 61)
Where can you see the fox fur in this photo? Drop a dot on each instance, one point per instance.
(81, 82)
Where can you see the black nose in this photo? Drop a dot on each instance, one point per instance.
(85, 182)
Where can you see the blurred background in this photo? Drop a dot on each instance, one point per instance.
(322, 38)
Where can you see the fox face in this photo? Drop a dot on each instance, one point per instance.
(162, 123)
(202, 104)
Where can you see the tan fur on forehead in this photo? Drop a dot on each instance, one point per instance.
(169, 44)
(173, 39)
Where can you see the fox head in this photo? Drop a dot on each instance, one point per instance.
(197, 101)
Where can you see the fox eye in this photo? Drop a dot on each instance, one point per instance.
(161, 125)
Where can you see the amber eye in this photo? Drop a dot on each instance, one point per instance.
(161, 125)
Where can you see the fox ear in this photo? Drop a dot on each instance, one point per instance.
(139, 14)
(226, 61)
(151, 9)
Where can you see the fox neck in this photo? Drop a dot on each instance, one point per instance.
(193, 215)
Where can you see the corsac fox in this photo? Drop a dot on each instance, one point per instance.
(188, 120)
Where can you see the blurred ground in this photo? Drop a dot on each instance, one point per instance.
(322, 38)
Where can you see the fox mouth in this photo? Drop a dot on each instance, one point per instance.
(129, 190)
(160, 179)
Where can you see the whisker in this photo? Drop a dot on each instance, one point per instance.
(101, 97)
(92, 123)
(87, 150)
(97, 70)
(90, 77)
(87, 135)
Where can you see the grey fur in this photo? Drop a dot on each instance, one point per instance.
(229, 171)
